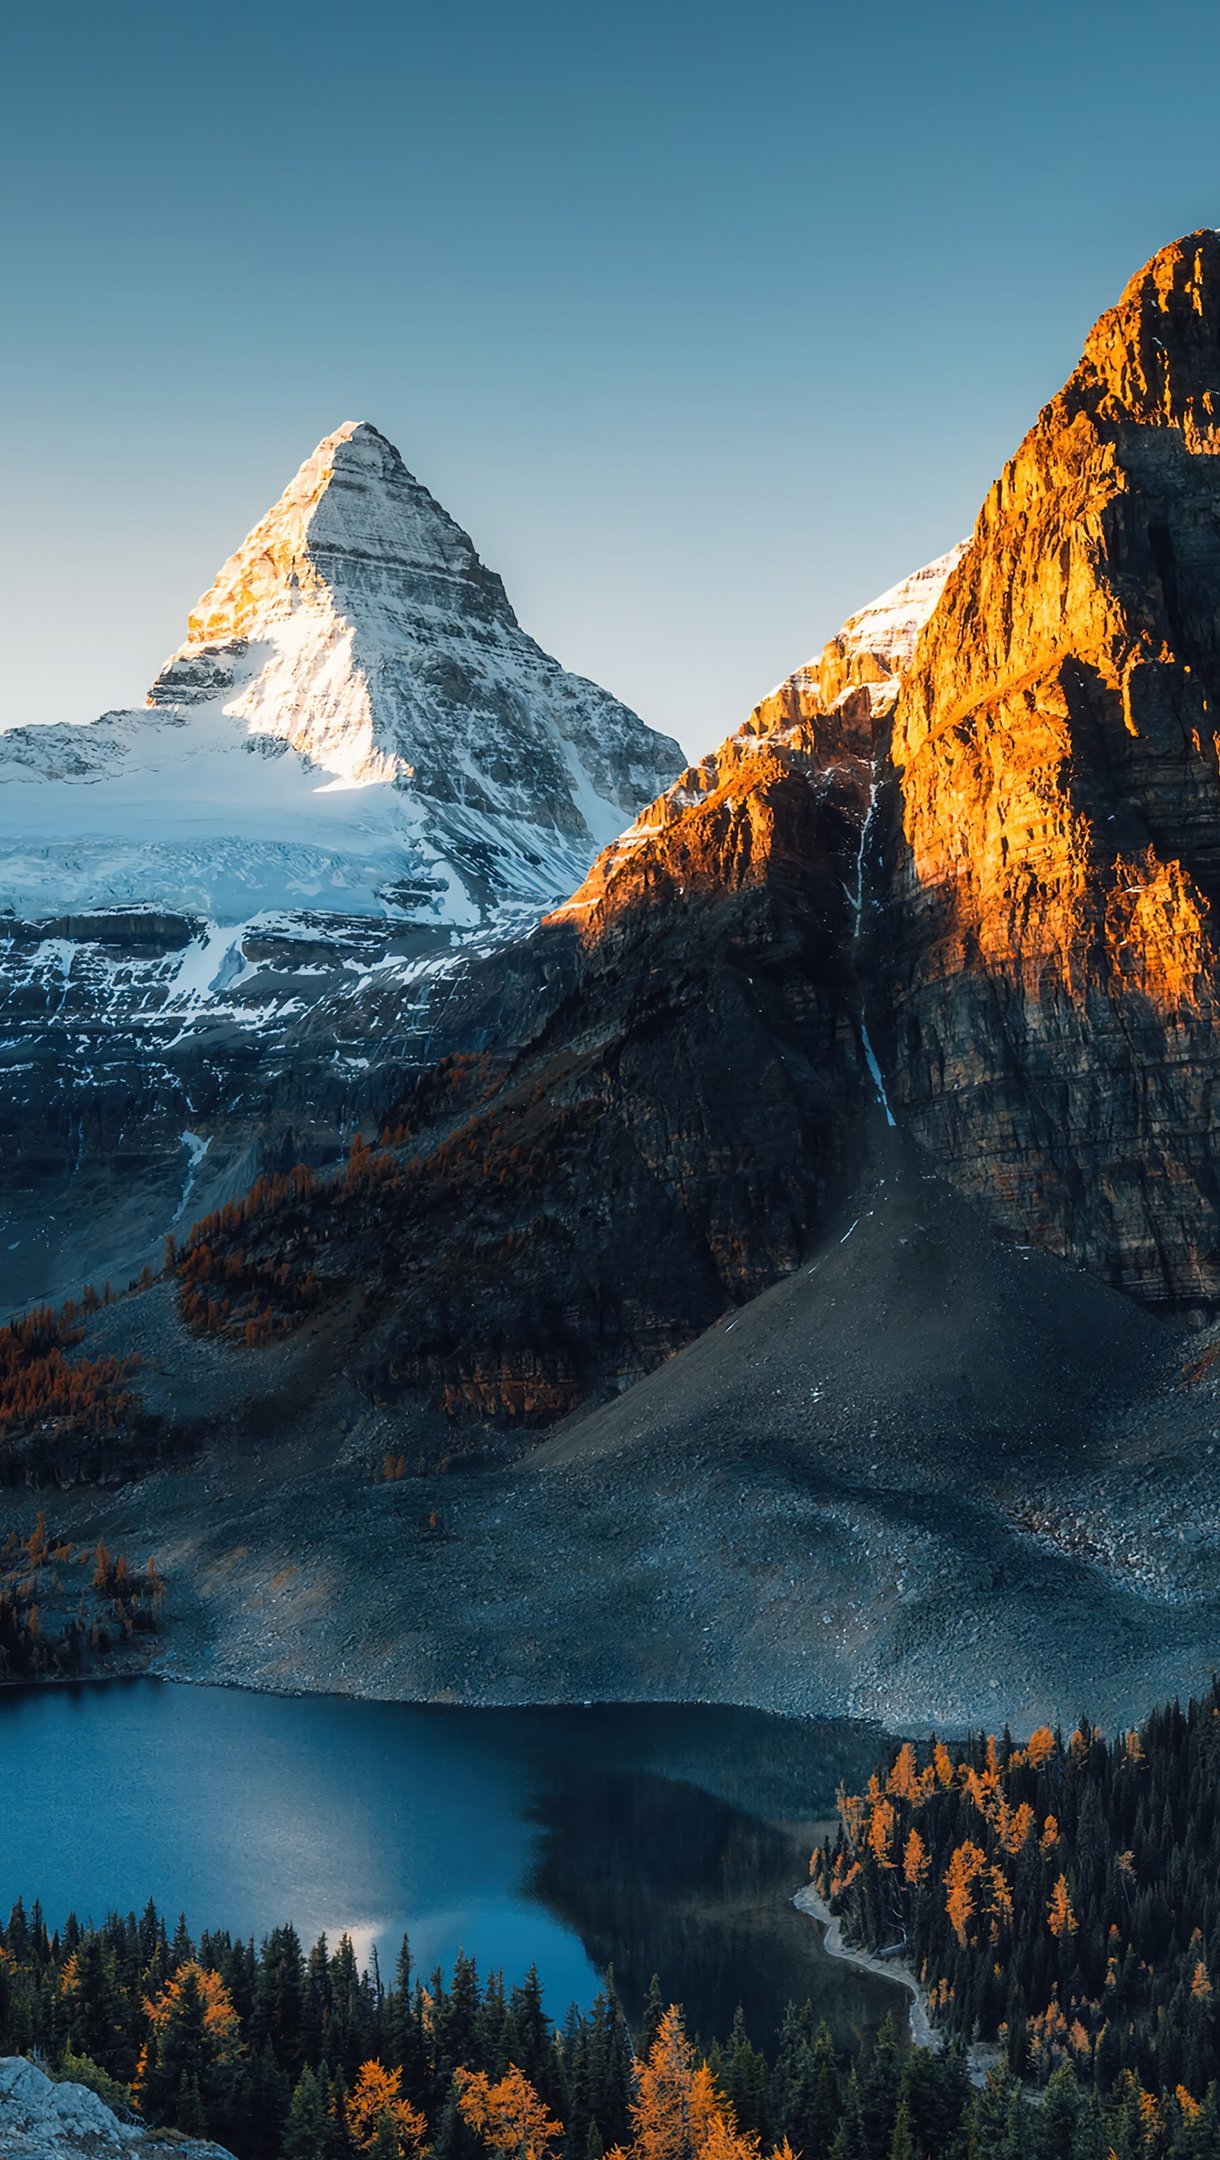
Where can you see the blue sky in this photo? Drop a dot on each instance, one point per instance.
(707, 321)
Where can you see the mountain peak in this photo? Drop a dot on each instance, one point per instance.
(355, 625)
(1155, 355)
(1054, 845)
(357, 622)
(353, 496)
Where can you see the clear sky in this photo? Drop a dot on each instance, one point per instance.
(707, 321)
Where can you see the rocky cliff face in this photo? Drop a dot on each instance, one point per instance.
(1048, 842)
(656, 1099)
(959, 873)
(43, 2120)
(815, 732)
(229, 922)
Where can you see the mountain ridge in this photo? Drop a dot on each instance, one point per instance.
(230, 919)
(1047, 856)
(752, 1289)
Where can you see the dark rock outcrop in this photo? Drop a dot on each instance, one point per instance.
(643, 1124)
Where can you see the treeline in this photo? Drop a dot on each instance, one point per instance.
(287, 2056)
(1061, 1897)
(55, 1627)
(223, 1289)
(55, 1408)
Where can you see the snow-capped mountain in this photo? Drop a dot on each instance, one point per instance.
(229, 918)
(355, 722)
(871, 650)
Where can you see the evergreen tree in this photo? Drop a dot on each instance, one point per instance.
(307, 2131)
(654, 2011)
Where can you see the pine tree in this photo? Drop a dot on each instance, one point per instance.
(850, 2141)
(654, 2011)
(307, 2131)
(902, 2142)
(879, 2089)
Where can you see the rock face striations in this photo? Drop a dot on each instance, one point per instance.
(1047, 858)
(355, 724)
(228, 921)
(650, 1106)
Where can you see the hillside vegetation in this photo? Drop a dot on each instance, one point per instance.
(1061, 1897)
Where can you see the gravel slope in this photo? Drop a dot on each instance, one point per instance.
(929, 1478)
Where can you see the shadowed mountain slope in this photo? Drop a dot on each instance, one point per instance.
(929, 1477)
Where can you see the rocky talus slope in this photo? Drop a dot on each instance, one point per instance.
(41, 2119)
(929, 1477)
(230, 921)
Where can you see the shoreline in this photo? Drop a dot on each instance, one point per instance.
(922, 2031)
(982, 2056)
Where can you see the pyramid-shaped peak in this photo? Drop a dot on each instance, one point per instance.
(351, 503)
(357, 623)
(1155, 355)
(358, 447)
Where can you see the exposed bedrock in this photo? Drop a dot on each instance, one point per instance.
(1046, 853)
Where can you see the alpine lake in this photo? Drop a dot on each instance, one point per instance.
(634, 1839)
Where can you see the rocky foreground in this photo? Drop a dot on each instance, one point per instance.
(42, 2119)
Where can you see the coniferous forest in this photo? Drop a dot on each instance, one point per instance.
(1061, 1898)
(285, 2055)
(1058, 1899)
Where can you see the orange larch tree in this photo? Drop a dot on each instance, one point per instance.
(509, 2116)
(376, 2108)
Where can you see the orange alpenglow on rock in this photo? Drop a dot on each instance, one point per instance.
(1011, 766)
(1048, 844)
(793, 785)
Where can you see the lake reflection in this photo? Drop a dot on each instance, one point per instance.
(650, 1838)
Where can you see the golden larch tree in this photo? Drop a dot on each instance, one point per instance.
(964, 1864)
(1060, 1918)
(903, 1780)
(915, 1861)
(677, 2109)
(375, 2100)
(508, 2115)
(881, 1831)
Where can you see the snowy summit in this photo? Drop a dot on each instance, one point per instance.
(355, 723)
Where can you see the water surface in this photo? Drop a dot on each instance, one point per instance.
(648, 1838)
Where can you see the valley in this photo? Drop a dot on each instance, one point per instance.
(781, 1274)
(857, 1496)
(609, 1176)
